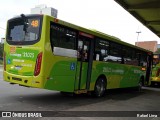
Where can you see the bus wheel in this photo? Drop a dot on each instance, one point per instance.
(140, 84)
(152, 84)
(100, 87)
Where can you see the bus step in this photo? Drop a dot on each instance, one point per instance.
(80, 91)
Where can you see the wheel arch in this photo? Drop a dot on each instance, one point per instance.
(100, 86)
(102, 76)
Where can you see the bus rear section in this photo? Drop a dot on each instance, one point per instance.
(23, 52)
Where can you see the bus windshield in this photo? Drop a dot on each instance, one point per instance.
(24, 30)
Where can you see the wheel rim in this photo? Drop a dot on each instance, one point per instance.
(100, 88)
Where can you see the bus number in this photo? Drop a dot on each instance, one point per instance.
(35, 23)
(28, 55)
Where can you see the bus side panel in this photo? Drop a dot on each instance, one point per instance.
(62, 74)
(59, 71)
(117, 75)
(131, 76)
(109, 70)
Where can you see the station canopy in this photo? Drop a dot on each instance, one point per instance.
(146, 11)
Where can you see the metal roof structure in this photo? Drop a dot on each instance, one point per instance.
(146, 11)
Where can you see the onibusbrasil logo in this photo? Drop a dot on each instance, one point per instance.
(21, 114)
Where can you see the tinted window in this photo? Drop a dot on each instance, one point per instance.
(115, 53)
(101, 49)
(62, 37)
(143, 59)
(24, 30)
(130, 56)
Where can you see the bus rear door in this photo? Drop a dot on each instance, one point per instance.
(85, 58)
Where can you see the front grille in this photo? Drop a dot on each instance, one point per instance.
(18, 79)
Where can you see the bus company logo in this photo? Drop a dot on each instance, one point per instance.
(6, 114)
(12, 49)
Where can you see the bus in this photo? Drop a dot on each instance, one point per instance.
(155, 78)
(41, 51)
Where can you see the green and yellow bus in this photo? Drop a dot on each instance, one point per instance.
(41, 51)
(155, 79)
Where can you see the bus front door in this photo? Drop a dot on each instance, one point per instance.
(85, 58)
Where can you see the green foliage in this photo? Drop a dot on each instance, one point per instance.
(158, 51)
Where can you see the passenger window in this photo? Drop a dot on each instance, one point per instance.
(101, 49)
(62, 37)
(115, 53)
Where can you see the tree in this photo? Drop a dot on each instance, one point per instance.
(158, 51)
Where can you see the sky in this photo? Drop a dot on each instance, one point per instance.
(102, 15)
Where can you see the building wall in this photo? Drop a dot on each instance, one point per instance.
(149, 45)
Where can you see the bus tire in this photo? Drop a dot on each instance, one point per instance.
(140, 84)
(100, 87)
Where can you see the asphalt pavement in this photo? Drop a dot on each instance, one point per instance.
(19, 98)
